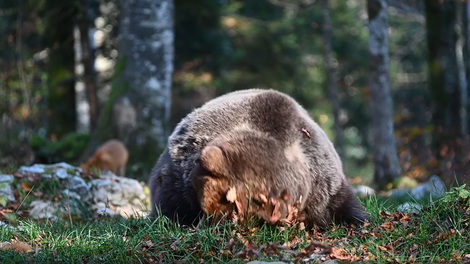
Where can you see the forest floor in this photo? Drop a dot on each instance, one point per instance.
(439, 233)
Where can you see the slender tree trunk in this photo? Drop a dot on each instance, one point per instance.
(88, 67)
(331, 78)
(58, 36)
(466, 49)
(381, 105)
(443, 79)
(462, 76)
(146, 43)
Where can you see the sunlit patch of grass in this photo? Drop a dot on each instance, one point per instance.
(438, 233)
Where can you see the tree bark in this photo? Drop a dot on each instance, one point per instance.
(331, 78)
(58, 36)
(381, 105)
(462, 76)
(88, 67)
(146, 43)
(466, 48)
(443, 79)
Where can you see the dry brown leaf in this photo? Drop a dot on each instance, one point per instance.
(340, 253)
(388, 226)
(20, 247)
(382, 248)
(25, 186)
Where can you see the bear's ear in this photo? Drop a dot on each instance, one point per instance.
(213, 160)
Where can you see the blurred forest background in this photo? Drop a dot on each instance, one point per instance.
(386, 79)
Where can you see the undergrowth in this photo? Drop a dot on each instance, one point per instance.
(438, 233)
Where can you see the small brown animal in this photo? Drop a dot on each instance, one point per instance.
(252, 152)
(112, 156)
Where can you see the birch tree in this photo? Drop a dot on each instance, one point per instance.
(146, 48)
(386, 166)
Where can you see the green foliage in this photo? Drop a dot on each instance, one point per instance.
(67, 149)
(459, 194)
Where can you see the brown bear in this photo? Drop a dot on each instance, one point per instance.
(252, 152)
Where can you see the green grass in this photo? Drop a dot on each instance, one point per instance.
(438, 234)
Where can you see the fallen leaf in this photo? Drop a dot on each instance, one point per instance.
(340, 253)
(25, 186)
(388, 226)
(16, 246)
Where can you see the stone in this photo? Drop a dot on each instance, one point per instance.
(434, 187)
(79, 186)
(6, 178)
(61, 173)
(409, 207)
(363, 191)
(5, 187)
(105, 212)
(36, 168)
(125, 194)
(43, 210)
(71, 194)
(399, 194)
(108, 195)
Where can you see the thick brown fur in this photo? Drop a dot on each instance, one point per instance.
(112, 156)
(261, 142)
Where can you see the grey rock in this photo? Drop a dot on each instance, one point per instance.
(409, 207)
(7, 226)
(6, 178)
(36, 168)
(79, 186)
(399, 194)
(5, 187)
(43, 210)
(61, 173)
(99, 183)
(71, 194)
(108, 195)
(434, 187)
(363, 191)
(106, 212)
(125, 194)
(62, 164)
(98, 205)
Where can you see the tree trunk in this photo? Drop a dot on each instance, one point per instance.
(331, 78)
(462, 76)
(88, 67)
(146, 43)
(381, 105)
(466, 48)
(58, 37)
(443, 79)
